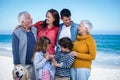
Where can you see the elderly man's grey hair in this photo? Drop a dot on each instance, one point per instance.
(87, 24)
(21, 16)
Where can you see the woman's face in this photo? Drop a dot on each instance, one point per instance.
(49, 18)
(82, 28)
(48, 46)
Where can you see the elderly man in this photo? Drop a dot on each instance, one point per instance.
(23, 43)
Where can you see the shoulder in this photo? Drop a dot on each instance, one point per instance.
(61, 24)
(33, 28)
(39, 53)
(91, 40)
(68, 57)
(58, 54)
(56, 28)
(18, 31)
(75, 24)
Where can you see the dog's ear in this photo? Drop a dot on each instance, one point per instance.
(13, 74)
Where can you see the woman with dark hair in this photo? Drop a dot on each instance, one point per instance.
(49, 28)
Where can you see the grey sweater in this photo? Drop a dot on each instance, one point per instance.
(19, 50)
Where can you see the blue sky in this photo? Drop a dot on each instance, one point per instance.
(104, 14)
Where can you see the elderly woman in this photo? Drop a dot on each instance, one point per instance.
(84, 50)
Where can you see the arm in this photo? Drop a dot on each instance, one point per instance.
(39, 61)
(15, 49)
(55, 59)
(38, 25)
(67, 63)
(92, 52)
(57, 56)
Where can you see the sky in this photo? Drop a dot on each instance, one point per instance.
(103, 14)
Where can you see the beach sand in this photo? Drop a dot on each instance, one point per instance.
(6, 67)
(104, 72)
(97, 72)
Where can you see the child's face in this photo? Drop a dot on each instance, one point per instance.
(48, 46)
(64, 49)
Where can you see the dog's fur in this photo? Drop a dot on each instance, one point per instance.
(20, 73)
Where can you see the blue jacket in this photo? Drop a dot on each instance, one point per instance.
(73, 30)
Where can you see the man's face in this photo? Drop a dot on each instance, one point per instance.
(66, 21)
(28, 20)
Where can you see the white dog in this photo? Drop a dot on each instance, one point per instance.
(20, 73)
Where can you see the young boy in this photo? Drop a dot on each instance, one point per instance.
(63, 60)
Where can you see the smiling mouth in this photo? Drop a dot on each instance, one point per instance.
(18, 77)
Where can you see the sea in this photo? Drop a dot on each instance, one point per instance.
(108, 48)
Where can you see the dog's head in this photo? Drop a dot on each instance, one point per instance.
(20, 73)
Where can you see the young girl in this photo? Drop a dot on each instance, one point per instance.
(41, 60)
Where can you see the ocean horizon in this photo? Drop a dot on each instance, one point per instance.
(108, 48)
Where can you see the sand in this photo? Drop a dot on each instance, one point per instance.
(6, 67)
(97, 72)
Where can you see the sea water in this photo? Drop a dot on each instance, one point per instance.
(108, 48)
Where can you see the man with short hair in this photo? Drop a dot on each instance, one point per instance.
(23, 43)
(68, 28)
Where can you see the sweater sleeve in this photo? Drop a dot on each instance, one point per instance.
(38, 26)
(67, 63)
(92, 52)
(39, 61)
(15, 49)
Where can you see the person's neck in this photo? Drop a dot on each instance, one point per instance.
(69, 24)
(27, 28)
(50, 26)
(83, 34)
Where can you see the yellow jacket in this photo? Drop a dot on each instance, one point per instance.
(85, 46)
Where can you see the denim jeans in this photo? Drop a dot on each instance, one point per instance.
(80, 73)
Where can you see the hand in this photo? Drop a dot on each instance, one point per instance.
(16, 27)
(47, 57)
(54, 62)
(51, 56)
(73, 53)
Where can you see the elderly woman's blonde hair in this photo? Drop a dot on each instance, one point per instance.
(21, 16)
(87, 24)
